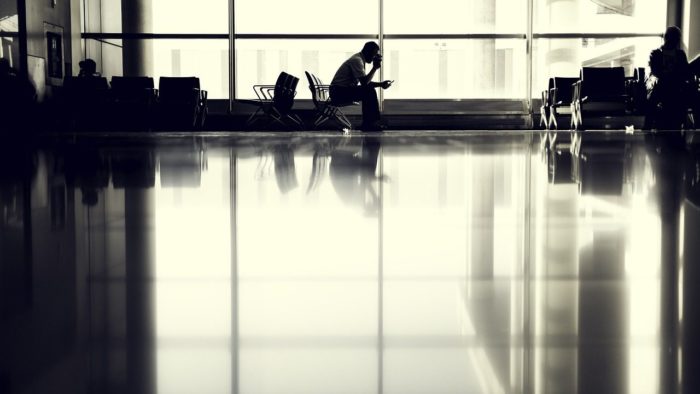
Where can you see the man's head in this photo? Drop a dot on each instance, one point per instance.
(88, 67)
(672, 37)
(369, 51)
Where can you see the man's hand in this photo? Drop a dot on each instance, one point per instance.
(377, 61)
(386, 84)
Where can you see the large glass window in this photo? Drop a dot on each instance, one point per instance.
(206, 59)
(306, 17)
(453, 69)
(260, 61)
(455, 16)
(564, 57)
(9, 27)
(608, 33)
(186, 16)
(445, 49)
(599, 16)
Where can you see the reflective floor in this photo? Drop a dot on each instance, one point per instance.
(492, 262)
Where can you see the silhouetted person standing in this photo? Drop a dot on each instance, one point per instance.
(667, 85)
(352, 83)
(17, 96)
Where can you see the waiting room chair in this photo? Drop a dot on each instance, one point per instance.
(276, 101)
(546, 105)
(86, 102)
(325, 108)
(561, 94)
(600, 90)
(635, 88)
(182, 104)
(132, 99)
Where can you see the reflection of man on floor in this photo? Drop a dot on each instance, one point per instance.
(353, 172)
(351, 83)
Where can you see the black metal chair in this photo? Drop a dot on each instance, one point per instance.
(132, 100)
(182, 104)
(546, 105)
(635, 89)
(325, 108)
(276, 101)
(86, 101)
(561, 94)
(600, 90)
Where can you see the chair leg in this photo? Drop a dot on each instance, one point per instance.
(544, 118)
(343, 119)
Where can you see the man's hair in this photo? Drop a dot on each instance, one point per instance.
(672, 36)
(370, 46)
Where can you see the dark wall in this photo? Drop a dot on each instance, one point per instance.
(43, 16)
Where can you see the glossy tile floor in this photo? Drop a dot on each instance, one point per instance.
(492, 262)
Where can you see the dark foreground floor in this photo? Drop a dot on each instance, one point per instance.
(493, 262)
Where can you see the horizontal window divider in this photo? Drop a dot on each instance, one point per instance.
(485, 36)
(305, 36)
(595, 35)
(220, 36)
(154, 36)
(11, 34)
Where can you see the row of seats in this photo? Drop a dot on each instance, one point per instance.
(128, 103)
(597, 91)
(275, 102)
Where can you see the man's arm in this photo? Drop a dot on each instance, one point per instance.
(367, 79)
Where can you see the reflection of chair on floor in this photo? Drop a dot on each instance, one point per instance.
(133, 98)
(133, 168)
(181, 102)
(181, 166)
(319, 170)
(87, 169)
(599, 166)
(559, 165)
(600, 90)
(276, 101)
(325, 108)
(285, 169)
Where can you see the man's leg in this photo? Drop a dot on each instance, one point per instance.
(367, 95)
(370, 107)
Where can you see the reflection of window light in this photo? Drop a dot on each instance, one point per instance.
(192, 284)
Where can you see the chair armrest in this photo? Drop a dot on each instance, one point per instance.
(263, 92)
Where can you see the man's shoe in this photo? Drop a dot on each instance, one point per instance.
(374, 127)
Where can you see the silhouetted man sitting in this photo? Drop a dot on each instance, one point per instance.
(88, 68)
(351, 83)
(667, 86)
